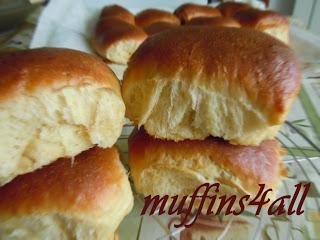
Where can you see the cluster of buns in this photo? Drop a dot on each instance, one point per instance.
(60, 176)
(119, 33)
(208, 103)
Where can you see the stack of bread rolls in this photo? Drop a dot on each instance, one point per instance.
(60, 175)
(208, 103)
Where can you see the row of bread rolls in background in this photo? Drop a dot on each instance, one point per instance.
(208, 103)
(119, 33)
(60, 175)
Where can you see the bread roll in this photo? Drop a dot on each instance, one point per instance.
(82, 199)
(193, 82)
(160, 167)
(116, 40)
(159, 27)
(214, 22)
(54, 103)
(119, 12)
(229, 9)
(189, 10)
(150, 16)
(265, 21)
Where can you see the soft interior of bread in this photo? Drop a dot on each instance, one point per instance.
(168, 176)
(36, 130)
(173, 110)
(121, 51)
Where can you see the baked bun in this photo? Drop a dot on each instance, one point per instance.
(54, 103)
(229, 9)
(84, 199)
(265, 21)
(116, 40)
(160, 167)
(190, 83)
(188, 11)
(159, 27)
(149, 16)
(214, 22)
(119, 12)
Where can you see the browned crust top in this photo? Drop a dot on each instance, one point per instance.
(159, 27)
(214, 22)
(187, 11)
(228, 9)
(89, 184)
(117, 11)
(150, 16)
(23, 72)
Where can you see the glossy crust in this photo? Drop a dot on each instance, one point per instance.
(229, 9)
(256, 68)
(117, 11)
(214, 22)
(112, 30)
(149, 16)
(189, 10)
(92, 189)
(260, 20)
(23, 72)
(246, 166)
(159, 27)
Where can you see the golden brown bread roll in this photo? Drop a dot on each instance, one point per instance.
(86, 198)
(117, 11)
(214, 22)
(159, 27)
(229, 9)
(54, 103)
(160, 167)
(189, 10)
(190, 83)
(116, 40)
(149, 16)
(265, 21)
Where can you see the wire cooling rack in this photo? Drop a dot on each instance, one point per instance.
(303, 163)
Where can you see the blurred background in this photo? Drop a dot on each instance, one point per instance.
(305, 13)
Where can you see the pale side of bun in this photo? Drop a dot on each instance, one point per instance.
(85, 199)
(54, 103)
(119, 12)
(191, 82)
(150, 16)
(159, 27)
(160, 167)
(188, 11)
(116, 40)
(265, 21)
(214, 22)
(229, 9)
